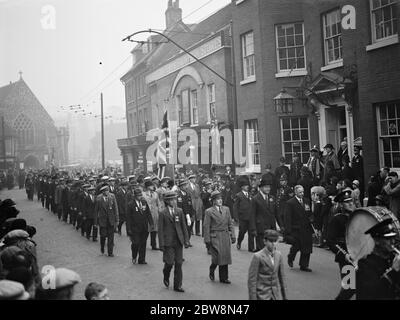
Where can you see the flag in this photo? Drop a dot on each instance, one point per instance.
(163, 146)
(215, 144)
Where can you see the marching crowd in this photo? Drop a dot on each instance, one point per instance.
(303, 205)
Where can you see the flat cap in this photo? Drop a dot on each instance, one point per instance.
(137, 192)
(329, 145)
(182, 182)
(105, 178)
(148, 183)
(104, 188)
(66, 278)
(155, 178)
(111, 179)
(12, 290)
(344, 196)
(192, 176)
(169, 195)
(215, 194)
(271, 235)
(165, 179)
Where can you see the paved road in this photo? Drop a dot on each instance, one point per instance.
(60, 245)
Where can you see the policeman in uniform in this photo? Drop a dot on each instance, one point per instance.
(337, 237)
(378, 274)
(172, 236)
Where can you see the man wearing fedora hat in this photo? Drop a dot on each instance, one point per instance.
(195, 194)
(151, 197)
(172, 237)
(138, 219)
(107, 218)
(266, 280)
(219, 235)
(378, 274)
(263, 212)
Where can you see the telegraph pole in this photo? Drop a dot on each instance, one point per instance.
(102, 133)
(3, 143)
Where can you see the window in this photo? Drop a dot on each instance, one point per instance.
(332, 37)
(179, 107)
(383, 19)
(194, 116)
(211, 111)
(253, 144)
(134, 124)
(248, 63)
(24, 127)
(388, 115)
(296, 138)
(130, 124)
(290, 47)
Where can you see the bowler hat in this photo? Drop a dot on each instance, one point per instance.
(243, 181)
(266, 181)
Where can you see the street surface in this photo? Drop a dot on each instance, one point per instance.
(60, 245)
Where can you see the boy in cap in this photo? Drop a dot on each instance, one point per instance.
(172, 236)
(378, 274)
(266, 280)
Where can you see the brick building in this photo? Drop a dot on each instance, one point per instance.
(166, 78)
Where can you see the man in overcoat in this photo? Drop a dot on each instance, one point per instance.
(263, 212)
(195, 194)
(219, 235)
(298, 229)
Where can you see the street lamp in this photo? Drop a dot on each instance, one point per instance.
(283, 102)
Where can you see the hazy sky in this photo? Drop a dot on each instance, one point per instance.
(61, 65)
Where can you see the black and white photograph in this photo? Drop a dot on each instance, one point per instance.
(199, 151)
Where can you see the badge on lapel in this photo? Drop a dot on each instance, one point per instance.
(307, 207)
(176, 218)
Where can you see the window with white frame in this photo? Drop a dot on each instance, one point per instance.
(332, 36)
(253, 143)
(383, 19)
(388, 117)
(290, 47)
(211, 112)
(194, 116)
(183, 106)
(248, 62)
(295, 138)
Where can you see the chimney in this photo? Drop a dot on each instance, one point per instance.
(173, 14)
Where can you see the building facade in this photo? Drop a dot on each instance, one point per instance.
(37, 145)
(166, 79)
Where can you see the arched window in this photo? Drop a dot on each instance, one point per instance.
(25, 130)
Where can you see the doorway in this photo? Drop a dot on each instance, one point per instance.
(336, 125)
